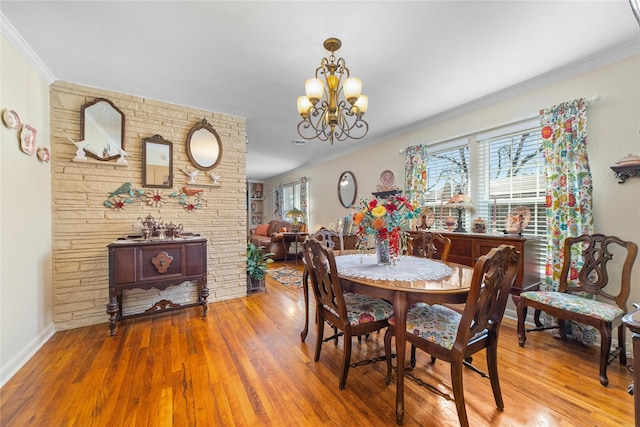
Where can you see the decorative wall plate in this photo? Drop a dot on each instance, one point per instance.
(11, 119)
(43, 154)
(387, 177)
(28, 139)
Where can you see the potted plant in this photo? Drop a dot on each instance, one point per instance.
(256, 267)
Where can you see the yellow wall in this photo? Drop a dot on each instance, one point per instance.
(25, 219)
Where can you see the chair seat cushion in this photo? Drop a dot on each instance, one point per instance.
(365, 309)
(576, 304)
(435, 323)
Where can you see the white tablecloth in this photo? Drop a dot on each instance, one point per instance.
(406, 268)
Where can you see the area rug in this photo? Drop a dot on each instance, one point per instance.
(287, 277)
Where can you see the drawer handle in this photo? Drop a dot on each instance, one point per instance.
(162, 261)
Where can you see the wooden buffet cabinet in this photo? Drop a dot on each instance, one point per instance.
(147, 264)
(466, 248)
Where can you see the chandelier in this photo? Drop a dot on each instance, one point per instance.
(337, 115)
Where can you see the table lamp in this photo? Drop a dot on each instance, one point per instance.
(295, 213)
(460, 202)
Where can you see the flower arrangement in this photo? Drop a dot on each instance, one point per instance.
(385, 220)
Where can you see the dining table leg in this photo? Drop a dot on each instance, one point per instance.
(305, 289)
(400, 307)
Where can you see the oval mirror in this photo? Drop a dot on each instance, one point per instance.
(347, 189)
(204, 146)
(157, 162)
(102, 128)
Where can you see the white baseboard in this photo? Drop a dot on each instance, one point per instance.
(9, 369)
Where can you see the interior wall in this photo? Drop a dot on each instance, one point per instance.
(613, 132)
(83, 226)
(25, 223)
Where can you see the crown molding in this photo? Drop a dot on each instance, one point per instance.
(12, 35)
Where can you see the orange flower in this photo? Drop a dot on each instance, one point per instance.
(378, 223)
(357, 217)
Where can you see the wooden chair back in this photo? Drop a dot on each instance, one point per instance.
(594, 253)
(424, 245)
(325, 282)
(493, 277)
(327, 237)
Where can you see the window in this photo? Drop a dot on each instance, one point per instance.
(290, 197)
(511, 174)
(503, 170)
(447, 174)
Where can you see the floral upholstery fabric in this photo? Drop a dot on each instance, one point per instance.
(576, 304)
(434, 323)
(365, 309)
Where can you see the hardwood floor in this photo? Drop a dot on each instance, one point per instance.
(244, 365)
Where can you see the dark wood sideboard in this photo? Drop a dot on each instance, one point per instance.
(466, 248)
(146, 264)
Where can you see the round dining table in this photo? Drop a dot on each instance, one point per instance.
(407, 281)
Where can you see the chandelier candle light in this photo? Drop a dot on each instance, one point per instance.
(337, 115)
(460, 201)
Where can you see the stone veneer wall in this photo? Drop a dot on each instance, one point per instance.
(83, 226)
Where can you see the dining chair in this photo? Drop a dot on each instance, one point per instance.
(424, 244)
(327, 237)
(581, 294)
(454, 337)
(353, 314)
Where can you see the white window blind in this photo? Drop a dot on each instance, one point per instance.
(511, 174)
(447, 174)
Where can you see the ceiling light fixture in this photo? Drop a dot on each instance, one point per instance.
(337, 115)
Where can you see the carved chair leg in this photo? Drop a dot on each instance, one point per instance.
(622, 344)
(413, 356)
(458, 392)
(492, 366)
(319, 338)
(605, 348)
(522, 314)
(346, 358)
(387, 351)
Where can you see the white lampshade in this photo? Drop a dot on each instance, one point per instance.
(304, 105)
(314, 88)
(362, 103)
(460, 201)
(352, 89)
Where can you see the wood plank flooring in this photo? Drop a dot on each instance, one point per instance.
(244, 365)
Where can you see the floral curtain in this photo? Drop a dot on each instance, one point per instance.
(569, 189)
(304, 199)
(279, 201)
(415, 167)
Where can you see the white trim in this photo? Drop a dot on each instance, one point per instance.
(14, 37)
(13, 366)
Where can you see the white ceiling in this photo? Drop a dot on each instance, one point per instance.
(417, 59)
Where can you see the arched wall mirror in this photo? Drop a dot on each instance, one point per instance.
(347, 189)
(204, 146)
(157, 162)
(102, 128)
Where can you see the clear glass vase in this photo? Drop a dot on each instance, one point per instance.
(382, 251)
